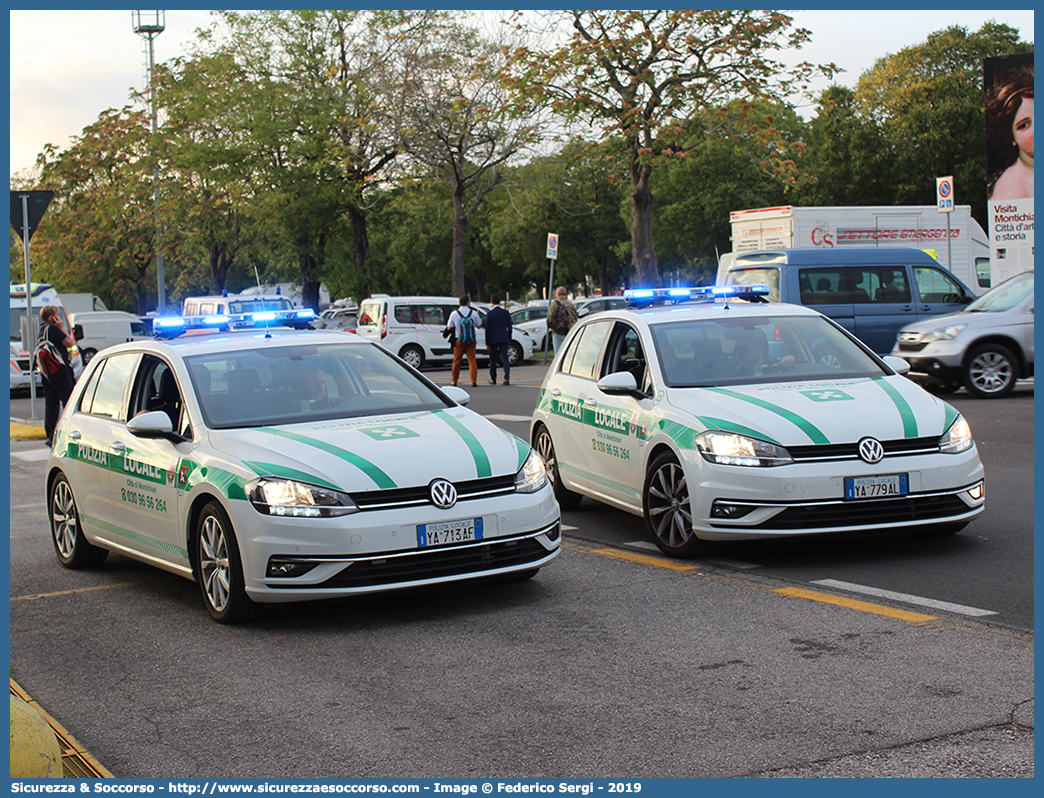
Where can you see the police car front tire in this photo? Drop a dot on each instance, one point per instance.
(219, 567)
(668, 514)
(70, 545)
(545, 447)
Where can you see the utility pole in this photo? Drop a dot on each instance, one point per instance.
(149, 27)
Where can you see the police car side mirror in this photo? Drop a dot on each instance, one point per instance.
(458, 395)
(154, 424)
(619, 382)
(78, 332)
(897, 364)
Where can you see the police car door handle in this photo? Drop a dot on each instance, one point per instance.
(556, 391)
(590, 402)
(74, 435)
(119, 446)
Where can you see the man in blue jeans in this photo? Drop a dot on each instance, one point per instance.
(498, 339)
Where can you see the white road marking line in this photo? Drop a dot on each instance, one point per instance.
(643, 544)
(946, 606)
(737, 564)
(506, 417)
(32, 455)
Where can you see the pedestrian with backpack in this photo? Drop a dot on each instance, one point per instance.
(498, 340)
(52, 361)
(464, 322)
(561, 316)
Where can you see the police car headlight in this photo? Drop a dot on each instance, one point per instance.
(532, 476)
(945, 334)
(287, 497)
(957, 438)
(727, 448)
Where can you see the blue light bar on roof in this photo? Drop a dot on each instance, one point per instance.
(173, 326)
(649, 296)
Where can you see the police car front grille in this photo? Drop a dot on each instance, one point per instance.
(850, 451)
(418, 496)
(899, 511)
(437, 563)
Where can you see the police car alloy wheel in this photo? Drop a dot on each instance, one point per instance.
(545, 447)
(72, 548)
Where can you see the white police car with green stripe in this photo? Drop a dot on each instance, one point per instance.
(275, 465)
(727, 420)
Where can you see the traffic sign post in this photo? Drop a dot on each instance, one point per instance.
(945, 203)
(552, 255)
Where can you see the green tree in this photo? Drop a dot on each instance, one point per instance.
(460, 123)
(207, 179)
(928, 102)
(853, 161)
(99, 231)
(662, 81)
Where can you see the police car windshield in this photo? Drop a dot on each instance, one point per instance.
(304, 383)
(736, 351)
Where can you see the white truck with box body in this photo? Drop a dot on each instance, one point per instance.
(918, 226)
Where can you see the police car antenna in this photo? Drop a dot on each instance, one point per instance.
(261, 294)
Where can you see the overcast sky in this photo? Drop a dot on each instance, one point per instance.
(69, 66)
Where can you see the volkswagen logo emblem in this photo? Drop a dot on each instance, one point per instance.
(871, 450)
(443, 494)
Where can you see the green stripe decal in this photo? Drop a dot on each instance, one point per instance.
(274, 470)
(119, 531)
(909, 420)
(951, 416)
(373, 472)
(810, 429)
(523, 452)
(482, 466)
(730, 426)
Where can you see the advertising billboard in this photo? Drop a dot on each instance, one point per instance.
(1008, 81)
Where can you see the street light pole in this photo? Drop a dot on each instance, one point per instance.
(149, 30)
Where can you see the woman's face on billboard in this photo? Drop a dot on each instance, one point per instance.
(1022, 129)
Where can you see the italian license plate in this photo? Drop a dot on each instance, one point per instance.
(449, 532)
(877, 487)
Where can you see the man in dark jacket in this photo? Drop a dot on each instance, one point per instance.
(498, 339)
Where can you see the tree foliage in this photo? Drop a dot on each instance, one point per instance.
(663, 81)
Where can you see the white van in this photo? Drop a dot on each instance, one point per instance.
(97, 330)
(411, 327)
(234, 304)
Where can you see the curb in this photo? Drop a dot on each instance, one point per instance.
(76, 762)
(27, 432)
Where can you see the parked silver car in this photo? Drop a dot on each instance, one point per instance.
(986, 347)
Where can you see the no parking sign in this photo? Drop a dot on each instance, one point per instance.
(552, 246)
(944, 194)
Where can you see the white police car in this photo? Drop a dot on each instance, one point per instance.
(275, 465)
(734, 420)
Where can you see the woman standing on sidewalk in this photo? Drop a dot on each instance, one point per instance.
(58, 387)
